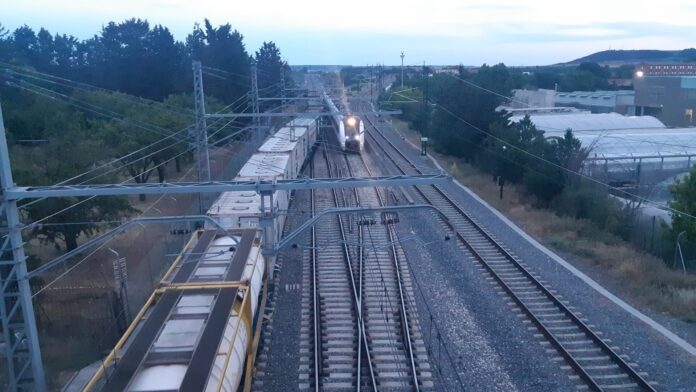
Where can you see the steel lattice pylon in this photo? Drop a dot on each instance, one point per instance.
(20, 341)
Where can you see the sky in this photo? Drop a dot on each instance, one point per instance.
(361, 32)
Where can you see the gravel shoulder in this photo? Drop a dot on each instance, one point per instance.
(669, 365)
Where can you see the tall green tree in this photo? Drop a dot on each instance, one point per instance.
(684, 200)
(71, 148)
(464, 112)
(24, 45)
(222, 48)
(270, 66)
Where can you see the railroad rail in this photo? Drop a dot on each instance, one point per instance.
(339, 340)
(596, 363)
(359, 323)
(388, 280)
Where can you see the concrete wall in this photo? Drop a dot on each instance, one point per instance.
(540, 98)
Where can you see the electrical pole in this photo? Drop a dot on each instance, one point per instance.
(379, 79)
(282, 88)
(370, 83)
(20, 337)
(201, 132)
(402, 69)
(255, 98)
(426, 97)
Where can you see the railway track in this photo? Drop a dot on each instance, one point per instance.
(596, 365)
(387, 294)
(358, 332)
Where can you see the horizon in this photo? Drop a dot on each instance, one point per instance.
(517, 35)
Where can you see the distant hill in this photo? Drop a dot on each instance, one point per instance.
(637, 56)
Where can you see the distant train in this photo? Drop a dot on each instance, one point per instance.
(350, 129)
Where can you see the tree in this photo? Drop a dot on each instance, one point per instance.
(53, 162)
(45, 50)
(4, 44)
(464, 112)
(67, 55)
(595, 69)
(684, 206)
(24, 45)
(270, 66)
(224, 49)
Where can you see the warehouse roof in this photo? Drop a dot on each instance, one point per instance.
(590, 122)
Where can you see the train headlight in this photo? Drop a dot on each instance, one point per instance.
(347, 137)
(351, 121)
(357, 137)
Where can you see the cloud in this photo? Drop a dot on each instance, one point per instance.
(368, 31)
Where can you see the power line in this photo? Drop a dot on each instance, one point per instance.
(150, 104)
(127, 155)
(123, 182)
(546, 161)
(89, 107)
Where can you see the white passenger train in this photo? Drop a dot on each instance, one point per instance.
(350, 129)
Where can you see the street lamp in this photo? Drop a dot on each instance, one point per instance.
(501, 179)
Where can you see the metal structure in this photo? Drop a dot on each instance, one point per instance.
(283, 102)
(20, 342)
(277, 114)
(255, 96)
(19, 193)
(201, 133)
(203, 159)
(402, 69)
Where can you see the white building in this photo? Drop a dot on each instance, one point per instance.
(540, 98)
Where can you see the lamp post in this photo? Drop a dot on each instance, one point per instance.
(501, 178)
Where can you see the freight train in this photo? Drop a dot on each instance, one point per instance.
(199, 330)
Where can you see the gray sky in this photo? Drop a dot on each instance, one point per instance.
(360, 32)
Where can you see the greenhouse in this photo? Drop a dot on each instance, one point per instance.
(559, 123)
(671, 149)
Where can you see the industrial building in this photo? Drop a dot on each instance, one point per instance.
(603, 101)
(541, 98)
(667, 91)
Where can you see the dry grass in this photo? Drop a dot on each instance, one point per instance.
(641, 276)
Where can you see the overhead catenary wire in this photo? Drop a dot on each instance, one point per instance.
(123, 182)
(86, 106)
(101, 246)
(117, 160)
(627, 194)
(68, 83)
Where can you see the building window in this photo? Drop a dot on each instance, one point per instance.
(689, 115)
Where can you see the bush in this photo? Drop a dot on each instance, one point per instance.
(589, 201)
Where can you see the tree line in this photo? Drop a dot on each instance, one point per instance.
(459, 113)
(72, 106)
(136, 58)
